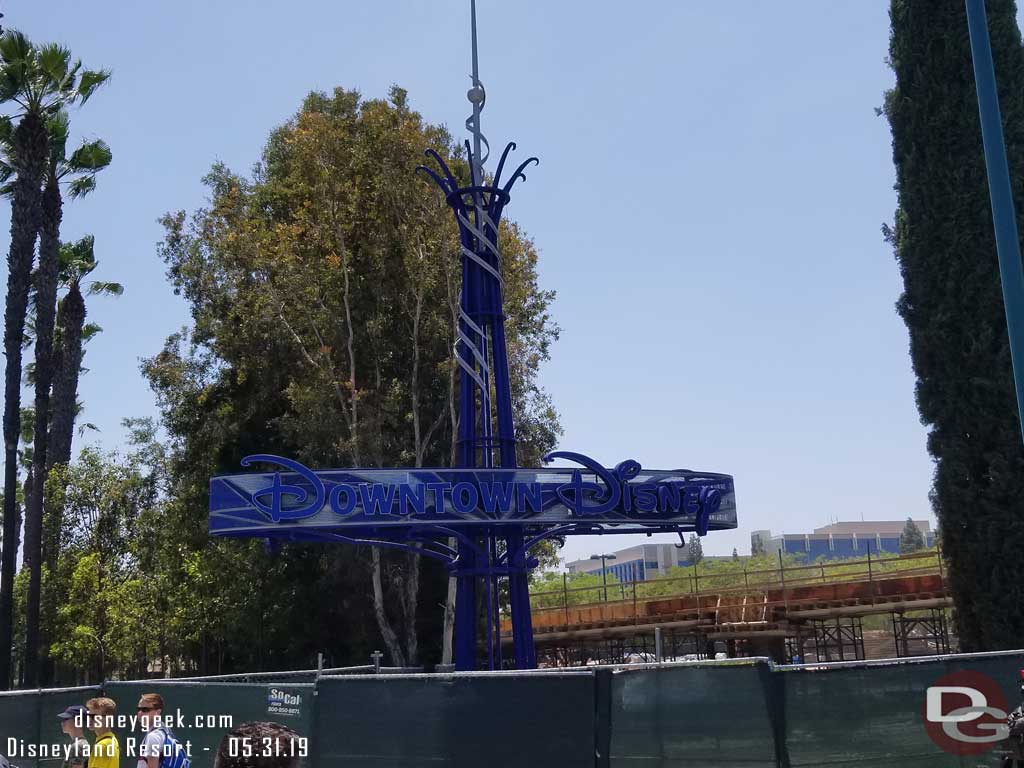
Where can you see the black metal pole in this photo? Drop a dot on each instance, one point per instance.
(604, 578)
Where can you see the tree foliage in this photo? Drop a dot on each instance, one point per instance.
(100, 588)
(952, 302)
(911, 538)
(323, 290)
(549, 589)
(757, 546)
(694, 549)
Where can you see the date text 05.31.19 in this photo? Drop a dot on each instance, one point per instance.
(244, 746)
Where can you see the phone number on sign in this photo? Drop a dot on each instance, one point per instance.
(244, 746)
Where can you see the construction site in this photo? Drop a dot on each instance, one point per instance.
(870, 608)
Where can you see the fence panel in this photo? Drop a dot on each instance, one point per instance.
(30, 719)
(493, 720)
(858, 715)
(873, 713)
(714, 714)
(19, 720)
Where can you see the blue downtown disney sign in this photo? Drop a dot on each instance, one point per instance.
(483, 518)
(585, 499)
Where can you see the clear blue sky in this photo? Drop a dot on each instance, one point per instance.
(708, 207)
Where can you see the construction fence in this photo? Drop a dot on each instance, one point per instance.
(745, 712)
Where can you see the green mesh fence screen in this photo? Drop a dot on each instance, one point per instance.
(19, 719)
(30, 719)
(738, 713)
(873, 714)
(714, 715)
(456, 720)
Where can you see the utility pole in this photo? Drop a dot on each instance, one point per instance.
(1004, 215)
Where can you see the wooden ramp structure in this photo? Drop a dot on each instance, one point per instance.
(766, 609)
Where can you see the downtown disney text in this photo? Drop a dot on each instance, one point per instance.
(626, 495)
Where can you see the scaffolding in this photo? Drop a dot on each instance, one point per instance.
(838, 639)
(676, 645)
(922, 634)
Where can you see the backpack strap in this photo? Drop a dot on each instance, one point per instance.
(178, 758)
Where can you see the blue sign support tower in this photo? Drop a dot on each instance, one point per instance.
(486, 429)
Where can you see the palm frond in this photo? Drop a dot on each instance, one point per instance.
(58, 128)
(28, 335)
(90, 331)
(14, 46)
(43, 79)
(91, 80)
(68, 86)
(81, 186)
(100, 288)
(91, 156)
(6, 133)
(76, 260)
(6, 172)
(55, 62)
(9, 87)
(28, 420)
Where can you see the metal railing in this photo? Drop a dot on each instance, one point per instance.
(710, 585)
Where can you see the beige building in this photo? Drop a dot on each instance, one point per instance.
(841, 540)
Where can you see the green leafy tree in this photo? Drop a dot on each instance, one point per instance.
(952, 302)
(40, 81)
(911, 538)
(323, 293)
(101, 581)
(694, 550)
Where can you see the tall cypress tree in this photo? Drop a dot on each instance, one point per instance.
(952, 302)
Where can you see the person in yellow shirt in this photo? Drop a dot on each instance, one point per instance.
(106, 751)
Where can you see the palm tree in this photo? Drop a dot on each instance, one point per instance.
(77, 262)
(40, 81)
(79, 172)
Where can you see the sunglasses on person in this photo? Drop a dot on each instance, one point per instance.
(144, 709)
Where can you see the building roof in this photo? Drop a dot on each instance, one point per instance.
(871, 527)
(630, 554)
